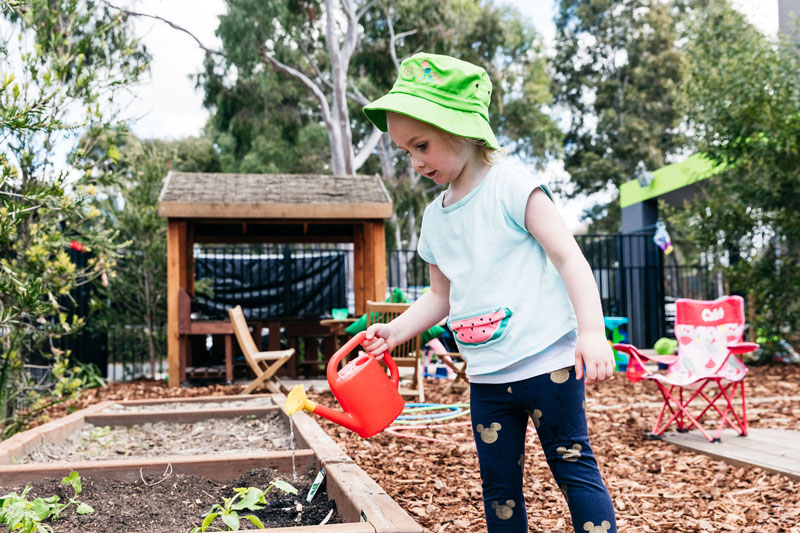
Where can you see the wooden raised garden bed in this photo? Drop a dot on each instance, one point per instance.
(36, 454)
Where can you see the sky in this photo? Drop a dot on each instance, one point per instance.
(168, 106)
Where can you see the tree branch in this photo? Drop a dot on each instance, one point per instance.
(351, 35)
(305, 80)
(394, 38)
(367, 149)
(313, 64)
(364, 9)
(170, 23)
(357, 96)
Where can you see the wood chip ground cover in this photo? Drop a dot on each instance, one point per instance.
(656, 487)
(177, 503)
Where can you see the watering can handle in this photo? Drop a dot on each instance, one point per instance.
(333, 364)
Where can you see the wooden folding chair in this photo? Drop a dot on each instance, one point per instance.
(408, 354)
(263, 364)
(705, 369)
(460, 369)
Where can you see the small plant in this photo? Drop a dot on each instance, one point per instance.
(97, 434)
(249, 499)
(17, 513)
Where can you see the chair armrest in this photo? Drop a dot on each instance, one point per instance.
(271, 356)
(449, 355)
(739, 348)
(640, 357)
(663, 359)
(447, 359)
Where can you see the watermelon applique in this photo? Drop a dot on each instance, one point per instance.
(481, 329)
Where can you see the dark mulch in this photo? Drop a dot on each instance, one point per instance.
(178, 503)
(656, 487)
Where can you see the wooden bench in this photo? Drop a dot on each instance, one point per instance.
(188, 327)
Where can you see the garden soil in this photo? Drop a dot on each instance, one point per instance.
(656, 487)
(243, 434)
(177, 503)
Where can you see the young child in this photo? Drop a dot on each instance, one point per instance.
(520, 297)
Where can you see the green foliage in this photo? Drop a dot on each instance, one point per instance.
(60, 61)
(744, 105)
(97, 435)
(19, 514)
(68, 378)
(618, 72)
(132, 307)
(264, 121)
(249, 499)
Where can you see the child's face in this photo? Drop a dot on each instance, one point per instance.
(434, 153)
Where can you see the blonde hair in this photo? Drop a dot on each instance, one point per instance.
(486, 152)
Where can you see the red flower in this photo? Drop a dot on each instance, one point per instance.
(75, 245)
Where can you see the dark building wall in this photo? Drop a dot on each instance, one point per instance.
(638, 216)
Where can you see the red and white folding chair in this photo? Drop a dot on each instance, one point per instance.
(705, 369)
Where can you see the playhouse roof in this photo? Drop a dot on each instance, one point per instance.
(273, 196)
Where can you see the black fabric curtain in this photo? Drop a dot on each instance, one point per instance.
(290, 283)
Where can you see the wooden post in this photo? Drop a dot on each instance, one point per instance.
(359, 266)
(376, 260)
(369, 258)
(189, 252)
(176, 280)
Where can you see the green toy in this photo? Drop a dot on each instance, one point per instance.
(665, 346)
(612, 324)
(396, 297)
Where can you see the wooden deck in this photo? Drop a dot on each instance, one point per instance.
(775, 450)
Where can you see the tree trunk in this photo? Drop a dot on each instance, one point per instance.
(385, 155)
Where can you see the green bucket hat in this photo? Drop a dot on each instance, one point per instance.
(443, 91)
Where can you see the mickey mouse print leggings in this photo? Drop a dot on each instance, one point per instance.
(555, 402)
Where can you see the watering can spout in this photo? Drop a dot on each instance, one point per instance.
(298, 400)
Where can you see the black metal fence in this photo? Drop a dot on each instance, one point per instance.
(406, 270)
(309, 281)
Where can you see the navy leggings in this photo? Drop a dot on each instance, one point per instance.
(555, 403)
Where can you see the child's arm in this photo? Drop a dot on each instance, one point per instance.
(428, 310)
(544, 222)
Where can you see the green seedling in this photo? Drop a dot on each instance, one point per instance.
(249, 499)
(97, 434)
(19, 514)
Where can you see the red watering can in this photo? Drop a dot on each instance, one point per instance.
(370, 400)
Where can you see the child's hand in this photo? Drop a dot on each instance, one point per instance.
(593, 350)
(378, 339)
